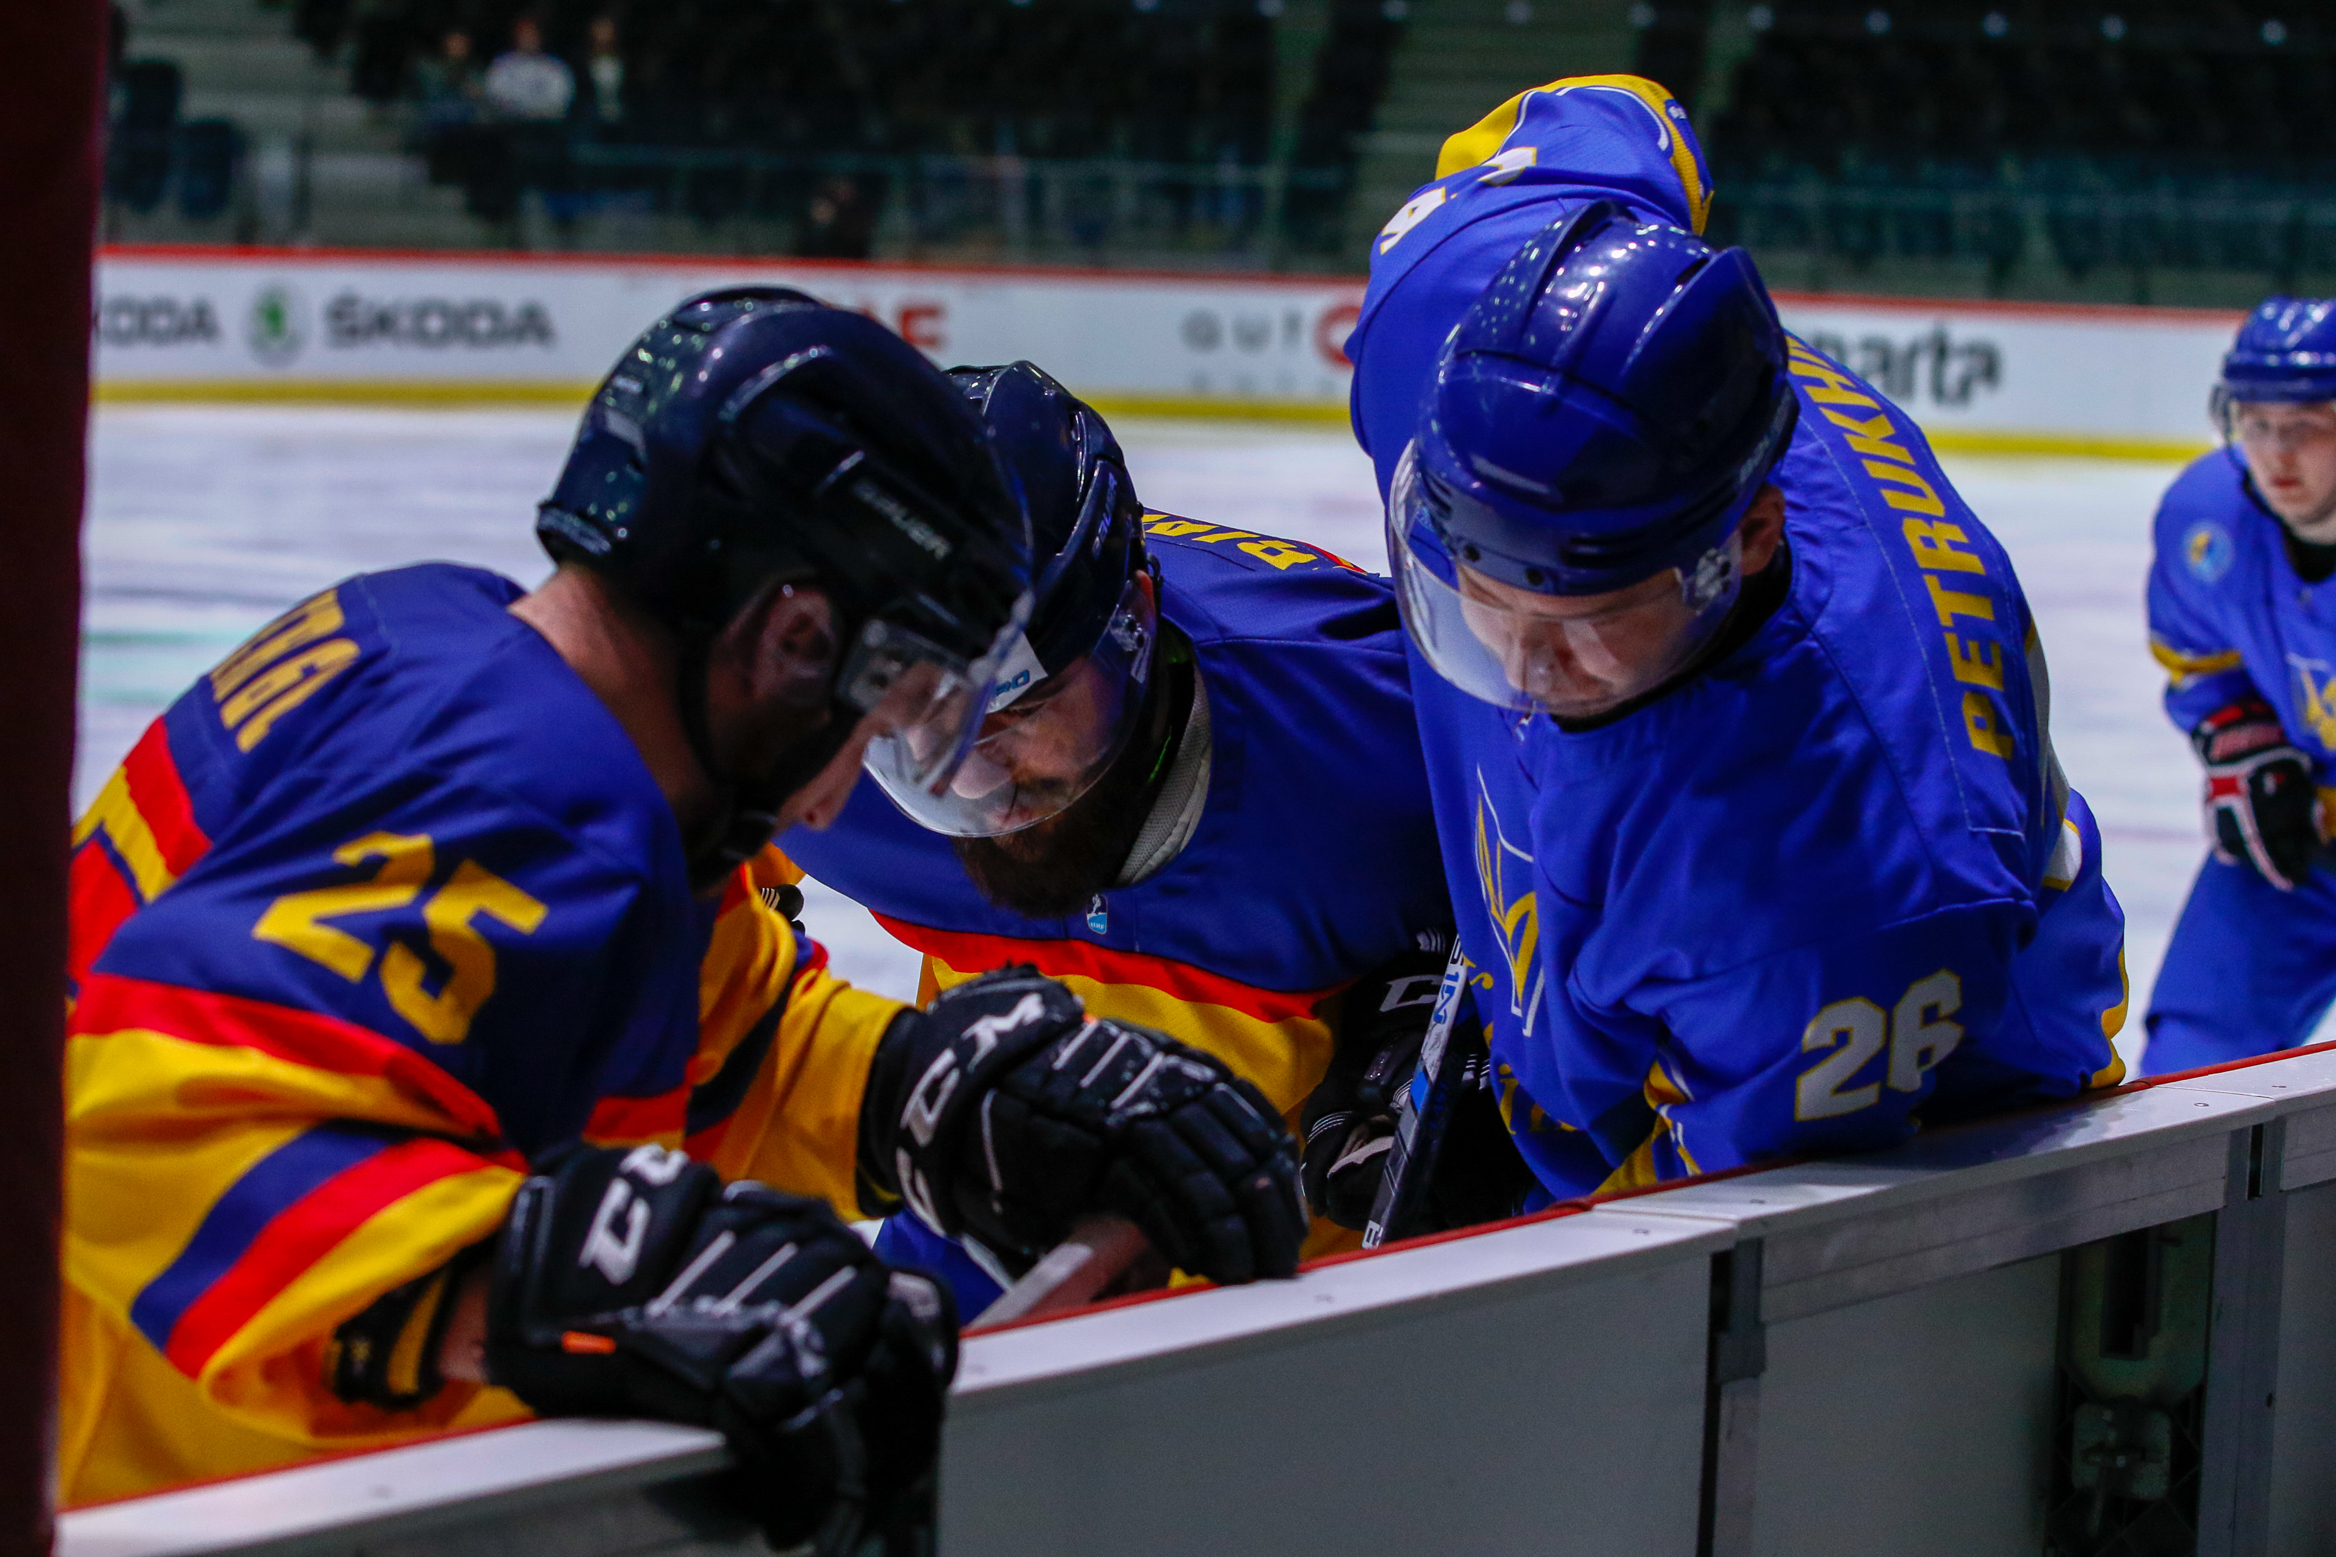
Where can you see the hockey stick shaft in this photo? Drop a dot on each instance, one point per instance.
(1099, 1251)
(1420, 1116)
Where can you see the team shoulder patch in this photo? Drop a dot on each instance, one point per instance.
(2208, 550)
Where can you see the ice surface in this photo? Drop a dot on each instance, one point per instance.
(207, 521)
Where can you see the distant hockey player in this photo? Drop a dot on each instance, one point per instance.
(429, 1034)
(1735, 715)
(1198, 799)
(2243, 617)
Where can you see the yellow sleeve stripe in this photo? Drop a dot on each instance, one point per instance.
(1483, 140)
(2185, 668)
(798, 1126)
(127, 829)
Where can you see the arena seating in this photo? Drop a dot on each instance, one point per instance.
(2145, 135)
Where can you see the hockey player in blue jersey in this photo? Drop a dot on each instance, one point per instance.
(1735, 715)
(1199, 797)
(2243, 617)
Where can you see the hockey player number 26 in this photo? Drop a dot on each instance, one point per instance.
(297, 921)
(1851, 1032)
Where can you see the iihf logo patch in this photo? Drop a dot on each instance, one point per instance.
(2207, 547)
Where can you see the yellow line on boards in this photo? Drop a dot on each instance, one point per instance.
(397, 392)
(1332, 411)
(340, 392)
(2091, 445)
(425, 392)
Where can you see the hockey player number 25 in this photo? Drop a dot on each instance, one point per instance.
(1851, 1032)
(297, 921)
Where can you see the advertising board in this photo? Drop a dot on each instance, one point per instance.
(218, 324)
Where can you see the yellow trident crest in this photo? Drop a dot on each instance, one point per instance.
(1504, 873)
(2318, 684)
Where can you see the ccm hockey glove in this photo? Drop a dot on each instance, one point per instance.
(1349, 1119)
(634, 1283)
(1004, 1113)
(2262, 802)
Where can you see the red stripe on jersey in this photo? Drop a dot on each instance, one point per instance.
(303, 1233)
(620, 1119)
(99, 896)
(161, 799)
(971, 953)
(110, 1002)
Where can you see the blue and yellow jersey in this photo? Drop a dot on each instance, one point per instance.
(383, 906)
(1830, 887)
(2230, 618)
(1314, 859)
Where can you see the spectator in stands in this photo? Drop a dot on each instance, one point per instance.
(527, 84)
(447, 87)
(838, 223)
(530, 90)
(603, 82)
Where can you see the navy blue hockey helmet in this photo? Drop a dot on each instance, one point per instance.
(2285, 351)
(1604, 413)
(756, 435)
(1076, 683)
(1086, 523)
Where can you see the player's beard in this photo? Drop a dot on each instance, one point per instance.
(1054, 868)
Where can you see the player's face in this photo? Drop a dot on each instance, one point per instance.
(1579, 656)
(2291, 452)
(1045, 744)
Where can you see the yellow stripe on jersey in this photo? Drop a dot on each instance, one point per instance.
(126, 828)
(1483, 140)
(2186, 667)
(1285, 1060)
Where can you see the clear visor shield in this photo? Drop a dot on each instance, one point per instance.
(1571, 656)
(931, 702)
(1040, 749)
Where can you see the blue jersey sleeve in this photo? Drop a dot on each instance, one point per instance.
(2193, 581)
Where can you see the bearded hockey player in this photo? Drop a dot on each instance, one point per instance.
(1197, 798)
(1735, 716)
(433, 1058)
(2243, 617)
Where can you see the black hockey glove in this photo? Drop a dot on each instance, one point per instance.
(2262, 802)
(1349, 1118)
(1004, 1113)
(633, 1283)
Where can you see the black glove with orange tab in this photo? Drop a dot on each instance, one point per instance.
(1004, 1113)
(635, 1283)
(2262, 801)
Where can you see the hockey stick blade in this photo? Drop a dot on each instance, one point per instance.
(1099, 1251)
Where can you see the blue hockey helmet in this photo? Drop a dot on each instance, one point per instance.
(755, 435)
(1071, 692)
(1603, 415)
(2285, 351)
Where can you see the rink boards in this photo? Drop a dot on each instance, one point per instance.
(215, 324)
(1846, 1357)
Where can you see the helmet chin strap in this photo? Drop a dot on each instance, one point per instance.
(750, 804)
